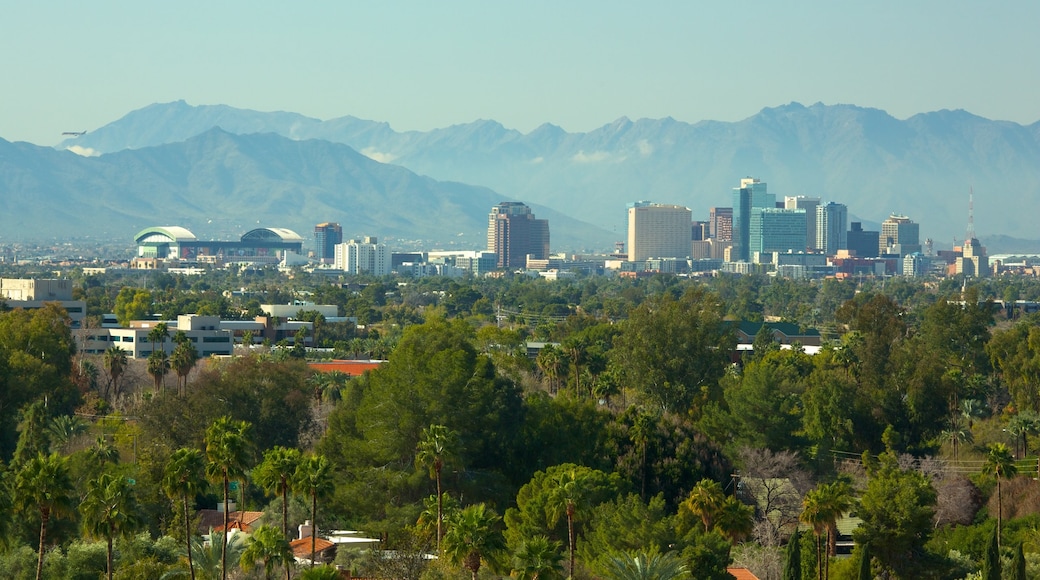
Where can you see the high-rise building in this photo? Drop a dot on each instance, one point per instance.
(809, 204)
(513, 233)
(776, 230)
(749, 196)
(863, 243)
(700, 231)
(658, 231)
(326, 236)
(831, 234)
(720, 224)
(899, 235)
(367, 256)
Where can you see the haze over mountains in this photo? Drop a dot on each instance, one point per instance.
(165, 163)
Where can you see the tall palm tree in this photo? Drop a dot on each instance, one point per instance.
(438, 446)
(158, 366)
(735, 519)
(183, 478)
(110, 510)
(473, 537)
(65, 428)
(314, 478)
(207, 554)
(227, 452)
(103, 452)
(183, 361)
(44, 485)
(836, 500)
(814, 516)
(646, 566)
(566, 497)
(269, 546)
(537, 558)
(274, 475)
(1001, 465)
(115, 362)
(158, 335)
(550, 362)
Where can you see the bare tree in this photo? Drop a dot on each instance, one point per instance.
(774, 483)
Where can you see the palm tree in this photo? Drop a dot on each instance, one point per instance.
(735, 520)
(115, 361)
(438, 445)
(269, 546)
(566, 496)
(207, 554)
(814, 516)
(472, 537)
(65, 428)
(971, 409)
(645, 566)
(314, 478)
(158, 366)
(706, 501)
(1001, 465)
(158, 335)
(103, 452)
(274, 475)
(183, 361)
(836, 499)
(110, 510)
(44, 485)
(538, 558)
(183, 478)
(956, 434)
(550, 361)
(227, 452)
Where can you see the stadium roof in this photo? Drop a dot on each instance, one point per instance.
(284, 234)
(165, 234)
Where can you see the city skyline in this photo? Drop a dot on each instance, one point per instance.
(578, 65)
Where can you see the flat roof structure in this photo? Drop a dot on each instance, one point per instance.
(262, 245)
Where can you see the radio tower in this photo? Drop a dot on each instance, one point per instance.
(971, 216)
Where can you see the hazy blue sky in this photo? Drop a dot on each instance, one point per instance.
(579, 64)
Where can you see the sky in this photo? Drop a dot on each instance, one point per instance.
(419, 65)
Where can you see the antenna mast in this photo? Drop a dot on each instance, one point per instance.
(971, 216)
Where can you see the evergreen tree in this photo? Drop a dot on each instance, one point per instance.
(991, 560)
(793, 563)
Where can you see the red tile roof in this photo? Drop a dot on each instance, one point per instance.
(302, 548)
(741, 574)
(353, 368)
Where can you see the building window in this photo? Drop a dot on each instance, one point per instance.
(216, 339)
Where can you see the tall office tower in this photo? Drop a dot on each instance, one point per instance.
(776, 230)
(658, 231)
(720, 224)
(513, 233)
(367, 256)
(863, 243)
(899, 235)
(831, 234)
(809, 204)
(326, 237)
(749, 196)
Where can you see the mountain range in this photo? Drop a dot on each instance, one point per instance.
(171, 161)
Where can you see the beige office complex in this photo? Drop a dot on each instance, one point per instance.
(658, 231)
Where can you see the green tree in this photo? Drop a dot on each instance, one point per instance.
(473, 538)
(268, 546)
(537, 558)
(65, 428)
(706, 501)
(43, 485)
(650, 565)
(814, 515)
(158, 335)
(228, 448)
(313, 478)
(675, 350)
(132, 304)
(991, 558)
(897, 510)
(110, 510)
(1018, 565)
(274, 474)
(437, 447)
(183, 478)
(865, 573)
(793, 562)
(550, 362)
(1000, 465)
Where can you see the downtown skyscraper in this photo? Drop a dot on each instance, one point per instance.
(514, 233)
